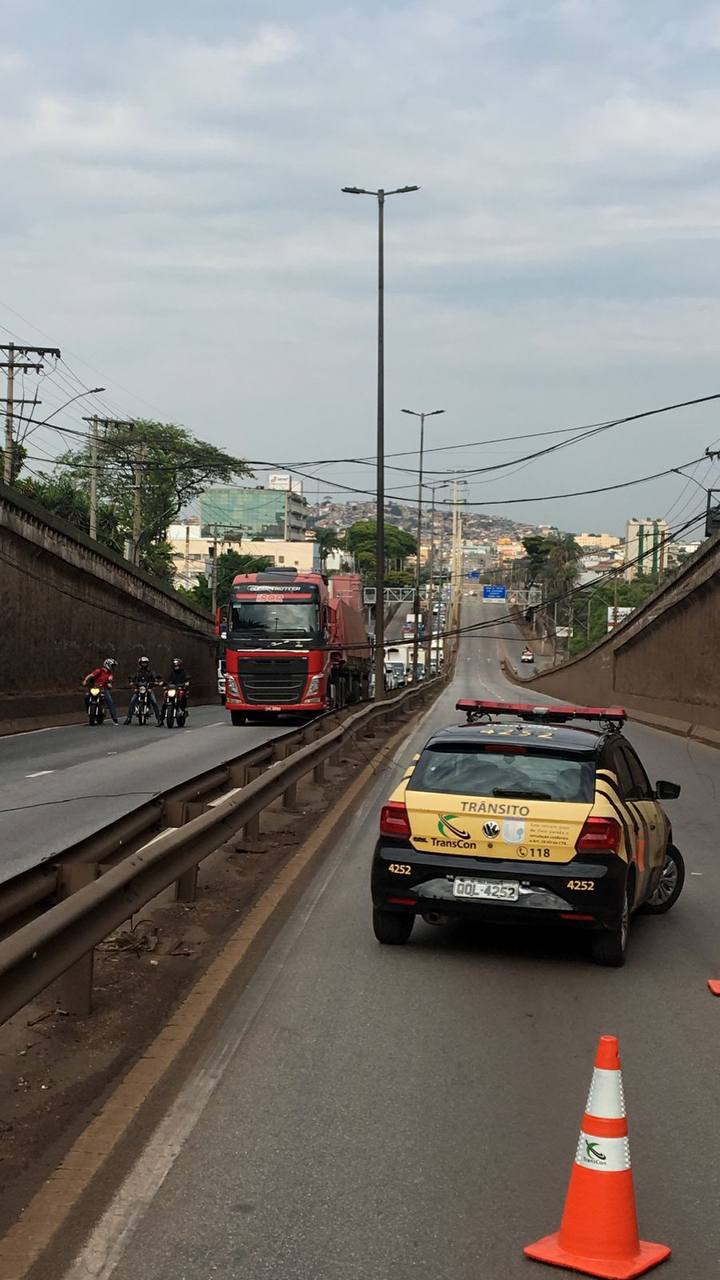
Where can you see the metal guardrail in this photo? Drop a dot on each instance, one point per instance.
(60, 941)
(172, 807)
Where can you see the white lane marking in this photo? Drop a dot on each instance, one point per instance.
(52, 728)
(40, 773)
(696, 873)
(107, 1243)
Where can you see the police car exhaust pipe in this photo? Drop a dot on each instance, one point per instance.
(434, 917)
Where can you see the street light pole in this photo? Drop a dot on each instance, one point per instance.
(416, 639)
(380, 196)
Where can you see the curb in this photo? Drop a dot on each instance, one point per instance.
(47, 1213)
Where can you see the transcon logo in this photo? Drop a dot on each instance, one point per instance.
(592, 1152)
(445, 827)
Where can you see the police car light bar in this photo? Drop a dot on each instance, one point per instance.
(549, 714)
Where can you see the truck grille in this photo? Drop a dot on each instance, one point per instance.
(273, 679)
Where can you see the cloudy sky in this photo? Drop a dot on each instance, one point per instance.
(171, 217)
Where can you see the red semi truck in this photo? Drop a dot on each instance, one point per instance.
(294, 644)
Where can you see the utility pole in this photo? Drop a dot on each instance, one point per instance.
(431, 567)
(93, 475)
(137, 503)
(416, 640)
(13, 365)
(380, 195)
(95, 424)
(214, 572)
(555, 635)
(441, 590)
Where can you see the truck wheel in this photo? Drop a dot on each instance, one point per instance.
(238, 717)
(393, 928)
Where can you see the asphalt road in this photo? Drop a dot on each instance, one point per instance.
(379, 1112)
(59, 785)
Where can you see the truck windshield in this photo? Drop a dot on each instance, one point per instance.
(281, 617)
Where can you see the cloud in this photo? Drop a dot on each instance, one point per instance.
(660, 129)
(175, 210)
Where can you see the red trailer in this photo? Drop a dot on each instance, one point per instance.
(348, 587)
(292, 646)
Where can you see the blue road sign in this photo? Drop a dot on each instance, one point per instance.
(494, 593)
(474, 574)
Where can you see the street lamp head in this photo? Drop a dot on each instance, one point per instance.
(94, 391)
(362, 191)
(430, 413)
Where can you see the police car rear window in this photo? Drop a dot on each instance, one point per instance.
(530, 774)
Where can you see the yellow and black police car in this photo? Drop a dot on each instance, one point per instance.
(526, 812)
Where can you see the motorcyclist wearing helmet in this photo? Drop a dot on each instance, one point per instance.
(178, 674)
(177, 679)
(101, 678)
(149, 678)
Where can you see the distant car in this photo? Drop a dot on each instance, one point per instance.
(522, 815)
(527, 655)
(398, 674)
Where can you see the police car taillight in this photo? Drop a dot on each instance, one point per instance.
(394, 820)
(599, 835)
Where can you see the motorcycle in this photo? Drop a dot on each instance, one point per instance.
(142, 708)
(174, 708)
(96, 706)
(527, 655)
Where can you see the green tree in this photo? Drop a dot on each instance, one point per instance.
(175, 468)
(537, 553)
(229, 564)
(591, 608)
(328, 540)
(360, 541)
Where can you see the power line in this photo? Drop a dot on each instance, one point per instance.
(590, 426)
(502, 502)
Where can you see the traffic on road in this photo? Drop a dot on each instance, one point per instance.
(383, 1110)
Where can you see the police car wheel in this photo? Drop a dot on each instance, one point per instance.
(392, 927)
(669, 886)
(609, 946)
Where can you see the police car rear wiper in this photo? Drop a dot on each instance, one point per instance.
(522, 795)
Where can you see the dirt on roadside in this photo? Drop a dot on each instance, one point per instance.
(56, 1070)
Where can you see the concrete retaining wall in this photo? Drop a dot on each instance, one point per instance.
(662, 663)
(66, 603)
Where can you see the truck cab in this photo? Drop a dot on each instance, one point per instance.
(288, 646)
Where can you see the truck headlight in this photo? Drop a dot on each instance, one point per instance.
(233, 686)
(313, 687)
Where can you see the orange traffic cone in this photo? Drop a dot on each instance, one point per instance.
(714, 985)
(598, 1234)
